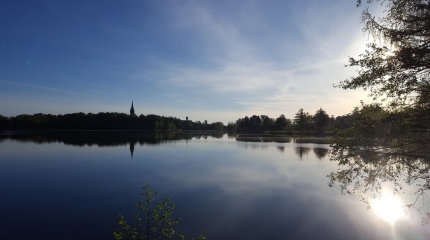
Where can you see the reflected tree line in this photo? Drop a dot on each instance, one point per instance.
(105, 138)
(320, 153)
(300, 151)
(133, 138)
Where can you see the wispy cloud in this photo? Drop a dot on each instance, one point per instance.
(219, 60)
(243, 77)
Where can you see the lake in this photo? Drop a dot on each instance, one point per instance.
(73, 186)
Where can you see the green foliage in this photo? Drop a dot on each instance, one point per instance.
(153, 221)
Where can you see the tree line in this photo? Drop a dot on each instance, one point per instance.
(103, 121)
(303, 123)
(318, 124)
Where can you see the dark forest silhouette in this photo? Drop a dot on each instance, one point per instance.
(102, 121)
(303, 123)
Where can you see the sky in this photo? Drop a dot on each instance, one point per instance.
(206, 60)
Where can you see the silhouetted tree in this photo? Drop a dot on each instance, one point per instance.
(255, 123)
(396, 67)
(321, 121)
(267, 123)
(231, 127)
(218, 126)
(301, 120)
(4, 122)
(343, 122)
(281, 122)
(399, 65)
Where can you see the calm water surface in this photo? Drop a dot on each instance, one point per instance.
(74, 187)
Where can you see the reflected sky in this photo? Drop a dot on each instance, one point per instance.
(231, 189)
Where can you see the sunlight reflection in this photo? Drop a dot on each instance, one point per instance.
(388, 207)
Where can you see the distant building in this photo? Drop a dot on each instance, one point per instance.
(132, 109)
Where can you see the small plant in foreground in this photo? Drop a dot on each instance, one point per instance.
(153, 221)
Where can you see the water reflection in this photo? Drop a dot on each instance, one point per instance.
(132, 138)
(320, 152)
(388, 207)
(382, 179)
(233, 192)
(302, 151)
(132, 148)
(261, 138)
(281, 139)
(232, 135)
(106, 138)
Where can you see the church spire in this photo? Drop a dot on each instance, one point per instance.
(132, 109)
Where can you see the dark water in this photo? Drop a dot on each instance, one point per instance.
(73, 186)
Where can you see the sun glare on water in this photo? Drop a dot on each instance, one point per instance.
(388, 207)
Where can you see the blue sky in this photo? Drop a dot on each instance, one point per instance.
(208, 60)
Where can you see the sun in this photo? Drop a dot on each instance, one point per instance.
(388, 207)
